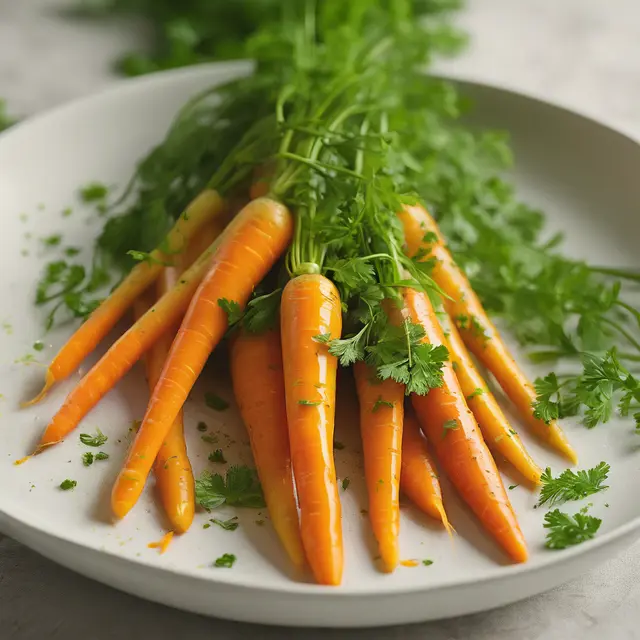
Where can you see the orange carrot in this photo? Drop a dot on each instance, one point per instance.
(206, 207)
(247, 249)
(495, 427)
(454, 433)
(126, 351)
(258, 386)
(419, 480)
(478, 332)
(172, 469)
(381, 417)
(310, 307)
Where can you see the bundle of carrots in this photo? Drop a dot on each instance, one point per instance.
(332, 261)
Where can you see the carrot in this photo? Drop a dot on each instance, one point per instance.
(310, 307)
(258, 386)
(381, 417)
(495, 427)
(125, 352)
(172, 469)
(452, 430)
(419, 479)
(128, 349)
(247, 249)
(204, 208)
(478, 332)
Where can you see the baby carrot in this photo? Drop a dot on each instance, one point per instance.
(419, 479)
(126, 351)
(206, 207)
(172, 469)
(311, 307)
(247, 249)
(381, 417)
(477, 330)
(453, 432)
(258, 386)
(497, 431)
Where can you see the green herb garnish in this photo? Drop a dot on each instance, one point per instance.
(67, 485)
(572, 485)
(240, 488)
(93, 441)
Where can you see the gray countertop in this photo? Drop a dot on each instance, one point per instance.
(584, 54)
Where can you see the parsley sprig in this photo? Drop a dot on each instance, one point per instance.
(572, 485)
(565, 530)
(240, 487)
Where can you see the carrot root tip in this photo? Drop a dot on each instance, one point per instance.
(48, 383)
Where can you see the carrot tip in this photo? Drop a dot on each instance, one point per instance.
(120, 508)
(48, 383)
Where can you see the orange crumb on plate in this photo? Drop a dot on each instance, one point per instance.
(163, 543)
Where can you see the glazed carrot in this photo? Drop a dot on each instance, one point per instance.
(128, 349)
(495, 427)
(258, 386)
(453, 432)
(206, 207)
(418, 479)
(381, 417)
(310, 307)
(172, 469)
(247, 249)
(477, 330)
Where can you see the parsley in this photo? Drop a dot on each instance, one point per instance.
(338, 446)
(226, 561)
(401, 355)
(93, 192)
(348, 350)
(209, 439)
(202, 426)
(217, 456)
(52, 241)
(449, 425)
(6, 120)
(565, 530)
(322, 338)
(427, 563)
(381, 403)
(38, 345)
(67, 484)
(228, 525)
(93, 441)
(215, 402)
(513, 486)
(476, 392)
(71, 252)
(149, 258)
(101, 455)
(570, 485)
(262, 312)
(308, 403)
(345, 484)
(240, 487)
(87, 459)
(232, 309)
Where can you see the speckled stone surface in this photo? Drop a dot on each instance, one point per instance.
(584, 54)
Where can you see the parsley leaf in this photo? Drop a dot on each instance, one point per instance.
(67, 484)
(215, 402)
(228, 525)
(309, 403)
(101, 455)
(217, 456)
(93, 441)
(262, 312)
(571, 485)
(476, 392)
(232, 309)
(401, 355)
(565, 530)
(87, 459)
(449, 425)
(240, 488)
(381, 403)
(226, 561)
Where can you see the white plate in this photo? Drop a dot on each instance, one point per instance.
(583, 174)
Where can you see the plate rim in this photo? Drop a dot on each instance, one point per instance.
(119, 90)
